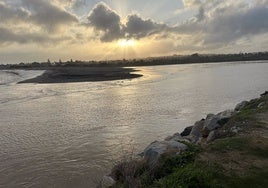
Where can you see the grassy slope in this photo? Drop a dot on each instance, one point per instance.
(239, 160)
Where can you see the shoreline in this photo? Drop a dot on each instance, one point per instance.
(227, 149)
(161, 60)
(83, 74)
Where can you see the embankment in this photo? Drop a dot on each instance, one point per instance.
(228, 149)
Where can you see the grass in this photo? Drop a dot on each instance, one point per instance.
(242, 144)
(257, 178)
(235, 143)
(230, 165)
(248, 112)
(148, 176)
(192, 175)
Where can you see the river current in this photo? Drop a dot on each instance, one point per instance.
(71, 134)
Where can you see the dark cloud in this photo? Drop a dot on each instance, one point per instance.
(45, 13)
(42, 13)
(201, 14)
(137, 27)
(104, 19)
(226, 24)
(7, 36)
(18, 16)
(216, 23)
(8, 13)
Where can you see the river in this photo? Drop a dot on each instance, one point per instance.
(71, 134)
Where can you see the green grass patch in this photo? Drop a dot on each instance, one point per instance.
(238, 144)
(259, 152)
(257, 178)
(248, 112)
(192, 175)
(230, 143)
(168, 165)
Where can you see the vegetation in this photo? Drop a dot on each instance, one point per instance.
(239, 160)
(166, 60)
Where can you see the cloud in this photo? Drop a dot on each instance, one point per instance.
(73, 4)
(78, 4)
(48, 15)
(104, 19)
(31, 21)
(8, 36)
(226, 23)
(191, 3)
(8, 13)
(136, 27)
(210, 24)
(41, 13)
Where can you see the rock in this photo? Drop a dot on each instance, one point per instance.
(224, 116)
(211, 136)
(264, 94)
(177, 137)
(235, 129)
(186, 131)
(261, 104)
(106, 182)
(216, 134)
(201, 140)
(154, 151)
(196, 131)
(241, 105)
(213, 122)
(177, 145)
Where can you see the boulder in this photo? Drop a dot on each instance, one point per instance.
(213, 122)
(186, 131)
(177, 145)
(177, 137)
(196, 131)
(264, 94)
(261, 104)
(153, 152)
(241, 105)
(236, 129)
(224, 116)
(216, 134)
(106, 182)
(174, 137)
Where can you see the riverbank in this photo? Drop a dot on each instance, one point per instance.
(149, 61)
(228, 149)
(83, 74)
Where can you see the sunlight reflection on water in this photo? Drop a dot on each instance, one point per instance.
(69, 135)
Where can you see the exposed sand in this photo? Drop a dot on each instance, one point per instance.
(83, 74)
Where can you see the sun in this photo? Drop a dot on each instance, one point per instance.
(127, 43)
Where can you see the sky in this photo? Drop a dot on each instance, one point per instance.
(38, 30)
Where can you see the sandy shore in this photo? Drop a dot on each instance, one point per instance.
(83, 74)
